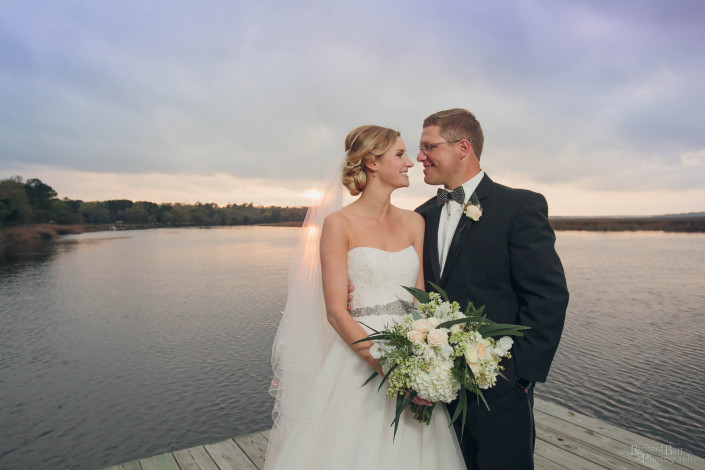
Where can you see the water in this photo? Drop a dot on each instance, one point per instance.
(121, 345)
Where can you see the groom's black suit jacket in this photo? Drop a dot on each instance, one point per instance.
(507, 262)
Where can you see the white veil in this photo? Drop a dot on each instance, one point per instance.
(304, 337)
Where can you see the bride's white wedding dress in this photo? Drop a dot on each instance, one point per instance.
(346, 425)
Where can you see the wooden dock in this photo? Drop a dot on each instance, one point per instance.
(564, 441)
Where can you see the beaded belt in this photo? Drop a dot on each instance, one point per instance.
(398, 307)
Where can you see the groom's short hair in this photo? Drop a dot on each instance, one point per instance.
(456, 124)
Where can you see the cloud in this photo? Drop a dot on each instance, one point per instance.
(602, 96)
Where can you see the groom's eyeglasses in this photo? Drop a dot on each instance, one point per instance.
(425, 148)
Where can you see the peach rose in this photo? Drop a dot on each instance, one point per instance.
(480, 351)
(422, 326)
(437, 338)
(416, 336)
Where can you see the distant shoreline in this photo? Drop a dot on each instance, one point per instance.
(608, 224)
(46, 232)
(630, 224)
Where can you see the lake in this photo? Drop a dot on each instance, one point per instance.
(121, 345)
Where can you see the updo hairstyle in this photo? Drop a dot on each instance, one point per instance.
(364, 145)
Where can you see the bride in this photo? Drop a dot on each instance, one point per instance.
(323, 417)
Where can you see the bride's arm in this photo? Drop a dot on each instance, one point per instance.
(334, 274)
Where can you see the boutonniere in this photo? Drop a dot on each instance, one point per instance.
(472, 208)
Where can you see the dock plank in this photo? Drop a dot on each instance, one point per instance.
(228, 456)
(563, 457)
(195, 458)
(160, 462)
(587, 451)
(656, 453)
(266, 434)
(600, 447)
(542, 463)
(254, 446)
(564, 440)
(134, 465)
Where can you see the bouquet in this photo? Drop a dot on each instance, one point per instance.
(440, 354)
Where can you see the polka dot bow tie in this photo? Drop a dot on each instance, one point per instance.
(457, 195)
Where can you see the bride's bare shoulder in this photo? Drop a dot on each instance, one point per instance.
(337, 222)
(412, 218)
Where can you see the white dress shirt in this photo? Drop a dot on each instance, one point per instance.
(450, 217)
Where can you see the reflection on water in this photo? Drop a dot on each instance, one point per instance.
(126, 347)
(632, 348)
(119, 346)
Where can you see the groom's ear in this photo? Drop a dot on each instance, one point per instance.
(465, 149)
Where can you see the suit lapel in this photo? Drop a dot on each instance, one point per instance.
(463, 229)
(432, 241)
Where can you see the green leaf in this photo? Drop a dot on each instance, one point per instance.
(374, 337)
(483, 400)
(503, 333)
(400, 409)
(474, 199)
(459, 409)
(440, 291)
(416, 315)
(419, 294)
(374, 374)
(489, 328)
(400, 401)
(471, 310)
(361, 323)
(465, 415)
(391, 369)
(449, 323)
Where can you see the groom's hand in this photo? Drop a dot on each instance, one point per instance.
(350, 289)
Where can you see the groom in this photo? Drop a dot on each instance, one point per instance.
(501, 256)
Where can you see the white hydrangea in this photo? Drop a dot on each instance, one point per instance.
(438, 384)
(443, 311)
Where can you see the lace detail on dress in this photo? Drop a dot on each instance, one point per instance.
(378, 277)
(398, 307)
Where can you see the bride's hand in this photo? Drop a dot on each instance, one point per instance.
(350, 297)
(418, 400)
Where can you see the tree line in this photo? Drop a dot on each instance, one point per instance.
(34, 202)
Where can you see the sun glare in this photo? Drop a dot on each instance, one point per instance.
(313, 194)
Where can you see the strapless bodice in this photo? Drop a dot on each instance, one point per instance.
(378, 276)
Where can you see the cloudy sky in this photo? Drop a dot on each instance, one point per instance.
(599, 105)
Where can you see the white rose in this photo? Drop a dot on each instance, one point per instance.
(491, 353)
(437, 337)
(475, 368)
(416, 336)
(422, 326)
(471, 354)
(503, 345)
(456, 328)
(433, 322)
(473, 211)
(376, 350)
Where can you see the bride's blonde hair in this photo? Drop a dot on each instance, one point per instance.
(363, 146)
